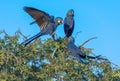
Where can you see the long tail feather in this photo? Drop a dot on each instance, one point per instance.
(31, 39)
(97, 57)
(94, 57)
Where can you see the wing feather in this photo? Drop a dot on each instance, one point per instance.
(40, 17)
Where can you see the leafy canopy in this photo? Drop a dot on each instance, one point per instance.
(45, 60)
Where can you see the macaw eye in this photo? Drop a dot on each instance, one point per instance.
(59, 21)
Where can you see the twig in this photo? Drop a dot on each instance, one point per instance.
(13, 55)
(5, 33)
(114, 64)
(19, 32)
(77, 33)
(6, 62)
(105, 59)
(1, 31)
(54, 52)
(88, 40)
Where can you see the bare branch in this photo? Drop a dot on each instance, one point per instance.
(77, 33)
(13, 55)
(1, 31)
(19, 32)
(88, 40)
(54, 52)
(5, 32)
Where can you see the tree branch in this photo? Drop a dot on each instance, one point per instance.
(88, 41)
(13, 55)
(3, 31)
(77, 33)
(19, 32)
(54, 52)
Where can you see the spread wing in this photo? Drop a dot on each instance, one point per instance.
(41, 17)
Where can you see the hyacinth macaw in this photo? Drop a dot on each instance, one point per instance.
(69, 23)
(46, 22)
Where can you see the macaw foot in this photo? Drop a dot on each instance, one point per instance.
(53, 36)
(65, 38)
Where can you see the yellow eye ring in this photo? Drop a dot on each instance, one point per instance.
(59, 21)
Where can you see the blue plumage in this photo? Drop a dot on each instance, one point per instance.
(69, 23)
(76, 52)
(46, 23)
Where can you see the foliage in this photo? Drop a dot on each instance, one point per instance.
(47, 60)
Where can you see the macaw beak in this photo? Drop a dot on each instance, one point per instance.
(62, 21)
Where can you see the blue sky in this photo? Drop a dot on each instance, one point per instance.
(99, 18)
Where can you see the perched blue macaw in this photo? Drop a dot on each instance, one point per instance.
(76, 52)
(69, 23)
(46, 23)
